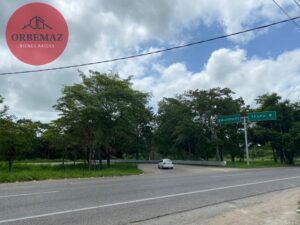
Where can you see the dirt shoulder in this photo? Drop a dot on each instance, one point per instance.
(277, 208)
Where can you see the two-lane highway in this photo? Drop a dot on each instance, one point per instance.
(137, 198)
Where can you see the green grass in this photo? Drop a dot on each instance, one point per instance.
(258, 164)
(30, 172)
(43, 161)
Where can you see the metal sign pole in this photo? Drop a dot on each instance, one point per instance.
(246, 140)
(251, 117)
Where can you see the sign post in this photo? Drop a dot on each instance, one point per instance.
(230, 119)
(246, 140)
(252, 117)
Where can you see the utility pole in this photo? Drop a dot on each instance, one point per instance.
(246, 140)
(251, 117)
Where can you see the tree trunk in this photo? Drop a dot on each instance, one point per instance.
(285, 160)
(74, 157)
(84, 163)
(232, 158)
(63, 157)
(189, 149)
(281, 156)
(137, 153)
(290, 157)
(217, 153)
(11, 156)
(108, 156)
(221, 155)
(242, 156)
(274, 155)
(90, 158)
(10, 164)
(85, 156)
(48, 153)
(100, 158)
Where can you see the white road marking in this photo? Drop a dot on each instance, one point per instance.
(144, 200)
(28, 194)
(232, 175)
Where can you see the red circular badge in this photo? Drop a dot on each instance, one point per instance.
(37, 33)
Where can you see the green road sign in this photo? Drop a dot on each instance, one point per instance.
(229, 119)
(262, 116)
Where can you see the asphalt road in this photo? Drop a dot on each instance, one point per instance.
(135, 199)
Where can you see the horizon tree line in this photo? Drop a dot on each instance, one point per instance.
(103, 117)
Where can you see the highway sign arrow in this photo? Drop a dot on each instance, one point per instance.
(262, 116)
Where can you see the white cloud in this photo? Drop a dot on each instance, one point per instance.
(101, 29)
(248, 77)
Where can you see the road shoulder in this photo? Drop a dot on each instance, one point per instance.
(276, 208)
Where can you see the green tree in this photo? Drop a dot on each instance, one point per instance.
(32, 132)
(15, 140)
(280, 133)
(105, 107)
(206, 106)
(187, 125)
(4, 109)
(176, 131)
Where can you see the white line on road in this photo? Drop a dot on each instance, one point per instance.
(233, 175)
(144, 200)
(28, 194)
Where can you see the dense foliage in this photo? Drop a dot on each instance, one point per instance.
(104, 117)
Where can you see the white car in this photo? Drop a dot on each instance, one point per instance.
(165, 164)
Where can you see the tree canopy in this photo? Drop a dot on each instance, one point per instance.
(104, 117)
(106, 113)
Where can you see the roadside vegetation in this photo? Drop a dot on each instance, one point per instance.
(29, 171)
(104, 118)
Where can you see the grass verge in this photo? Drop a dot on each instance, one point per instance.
(30, 172)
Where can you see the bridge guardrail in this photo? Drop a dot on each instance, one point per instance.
(178, 162)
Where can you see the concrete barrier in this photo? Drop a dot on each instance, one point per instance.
(200, 163)
(178, 162)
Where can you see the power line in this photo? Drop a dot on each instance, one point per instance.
(294, 88)
(297, 3)
(296, 24)
(282, 10)
(291, 91)
(152, 52)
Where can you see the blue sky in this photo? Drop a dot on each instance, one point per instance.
(251, 65)
(272, 43)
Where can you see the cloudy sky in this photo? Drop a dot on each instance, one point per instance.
(250, 64)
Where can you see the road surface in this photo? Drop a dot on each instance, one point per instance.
(136, 199)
